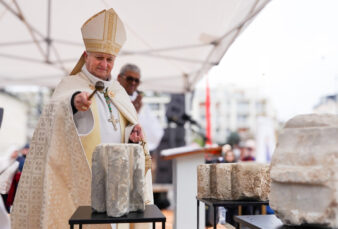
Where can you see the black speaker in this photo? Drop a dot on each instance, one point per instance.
(173, 137)
(176, 109)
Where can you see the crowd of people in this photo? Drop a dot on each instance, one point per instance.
(11, 165)
(245, 151)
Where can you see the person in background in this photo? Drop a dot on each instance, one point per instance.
(4, 218)
(248, 153)
(228, 155)
(8, 169)
(22, 156)
(130, 79)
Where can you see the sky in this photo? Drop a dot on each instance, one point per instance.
(289, 54)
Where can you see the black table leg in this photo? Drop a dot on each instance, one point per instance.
(215, 211)
(163, 225)
(153, 225)
(231, 212)
(198, 214)
(80, 226)
(71, 226)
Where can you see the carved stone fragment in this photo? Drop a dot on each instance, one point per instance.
(304, 188)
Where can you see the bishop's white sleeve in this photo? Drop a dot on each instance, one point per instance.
(84, 122)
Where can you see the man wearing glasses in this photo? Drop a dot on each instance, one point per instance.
(130, 78)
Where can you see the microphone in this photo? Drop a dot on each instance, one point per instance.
(188, 118)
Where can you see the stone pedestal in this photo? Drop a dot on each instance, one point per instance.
(118, 179)
(304, 171)
(234, 181)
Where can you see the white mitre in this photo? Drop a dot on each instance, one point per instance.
(104, 32)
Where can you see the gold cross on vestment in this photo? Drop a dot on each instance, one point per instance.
(114, 122)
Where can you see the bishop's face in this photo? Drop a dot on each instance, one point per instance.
(99, 64)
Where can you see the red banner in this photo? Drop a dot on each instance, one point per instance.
(207, 114)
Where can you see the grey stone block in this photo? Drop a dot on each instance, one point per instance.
(118, 179)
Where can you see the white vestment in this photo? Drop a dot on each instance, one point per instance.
(150, 125)
(84, 120)
(56, 178)
(4, 218)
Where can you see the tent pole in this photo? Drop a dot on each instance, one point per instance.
(48, 39)
(187, 98)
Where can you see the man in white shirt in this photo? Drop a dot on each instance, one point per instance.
(130, 78)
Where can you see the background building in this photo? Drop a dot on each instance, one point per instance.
(157, 104)
(232, 110)
(13, 131)
(23, 107)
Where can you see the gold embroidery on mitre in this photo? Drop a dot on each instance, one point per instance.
(93, 46)
(99, 47)
(110, 28)
(115, 28)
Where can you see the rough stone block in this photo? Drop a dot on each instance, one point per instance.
(234, 181)
(221, 187)
(203, 181)
(251, 181)
(304, 188)
(118, 179)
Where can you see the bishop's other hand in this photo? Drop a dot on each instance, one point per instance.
(136, 134)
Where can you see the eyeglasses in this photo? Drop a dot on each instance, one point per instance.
(130, 79)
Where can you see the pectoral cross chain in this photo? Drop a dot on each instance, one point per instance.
(114, 122)
(112, 119)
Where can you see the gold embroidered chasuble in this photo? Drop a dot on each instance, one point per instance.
(56, 178)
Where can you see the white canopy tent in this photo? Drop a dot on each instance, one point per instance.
(174, 42)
